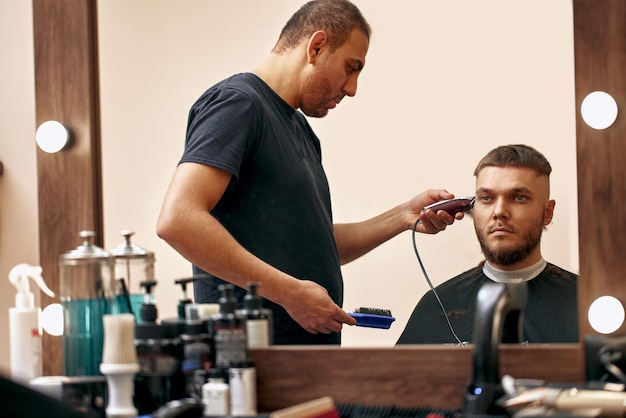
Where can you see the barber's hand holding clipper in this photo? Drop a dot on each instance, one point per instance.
(309, 303)
(444, 208)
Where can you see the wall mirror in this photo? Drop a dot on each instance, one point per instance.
(443, 84)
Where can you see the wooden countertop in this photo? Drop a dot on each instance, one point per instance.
(408, 376)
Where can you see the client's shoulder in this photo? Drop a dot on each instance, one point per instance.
(468, 279)
(555, 272)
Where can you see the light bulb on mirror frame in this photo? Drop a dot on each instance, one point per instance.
(52, 319)
(606, 314)
(53, 136)
(599, 110)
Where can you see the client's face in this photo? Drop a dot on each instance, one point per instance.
(512, 207)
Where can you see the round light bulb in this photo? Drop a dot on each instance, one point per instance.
(52, 136)
(606, 314)
(599, 110)
(52, 319)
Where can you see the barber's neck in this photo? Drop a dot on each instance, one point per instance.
(281, 72)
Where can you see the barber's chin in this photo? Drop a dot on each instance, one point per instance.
(317, 113)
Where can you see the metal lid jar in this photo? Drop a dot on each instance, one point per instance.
(132, 266)
(86, 284)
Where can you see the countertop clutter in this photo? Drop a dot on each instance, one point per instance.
(206, 362)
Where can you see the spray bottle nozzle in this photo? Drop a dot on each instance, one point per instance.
(18, 276)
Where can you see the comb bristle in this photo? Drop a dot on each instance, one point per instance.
(119, 339)
(373, 311)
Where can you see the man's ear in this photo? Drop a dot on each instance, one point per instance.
(549, 213)
(317, 43)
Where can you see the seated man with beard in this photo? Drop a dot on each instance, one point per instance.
(512, 208)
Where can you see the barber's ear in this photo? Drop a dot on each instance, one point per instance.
(549, 213)
(316, 44)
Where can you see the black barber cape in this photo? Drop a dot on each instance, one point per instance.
(551, 315)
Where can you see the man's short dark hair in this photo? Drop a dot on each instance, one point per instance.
(338, 18)
(518, 155)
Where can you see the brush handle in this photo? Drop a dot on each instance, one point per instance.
(372, 321)
(121, 385)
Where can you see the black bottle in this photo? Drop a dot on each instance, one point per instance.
(160, 379)
(228, 329)
(180, 321)
(197, 357)
(259, 329)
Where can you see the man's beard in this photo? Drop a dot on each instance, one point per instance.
(510, 256)
(316, 91)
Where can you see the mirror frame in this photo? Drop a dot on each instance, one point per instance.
(69, 183)
(70, 199)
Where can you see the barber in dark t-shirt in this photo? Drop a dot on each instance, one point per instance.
(512, 208)
(249, 200)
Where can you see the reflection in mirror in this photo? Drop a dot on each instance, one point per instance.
(442, 85)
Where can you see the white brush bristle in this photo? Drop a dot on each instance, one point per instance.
(119, 339)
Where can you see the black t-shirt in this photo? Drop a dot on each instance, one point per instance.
(277, 205)
(550, 316)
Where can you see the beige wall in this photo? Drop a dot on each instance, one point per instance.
(19, 239)
(444, 83)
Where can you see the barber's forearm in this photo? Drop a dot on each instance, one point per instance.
(208, 245)
(356, 239)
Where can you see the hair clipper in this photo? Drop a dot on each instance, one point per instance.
(454, 205)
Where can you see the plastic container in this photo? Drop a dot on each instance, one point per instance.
(86, 293)
(24, 325)
(216, 395)
(243, 393)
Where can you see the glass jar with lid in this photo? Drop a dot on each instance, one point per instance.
(133, 265)
(86, 285)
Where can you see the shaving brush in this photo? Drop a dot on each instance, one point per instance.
(119, 364)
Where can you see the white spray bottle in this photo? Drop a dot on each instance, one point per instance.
(24, 324)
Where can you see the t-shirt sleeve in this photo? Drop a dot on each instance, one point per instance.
(221, 130)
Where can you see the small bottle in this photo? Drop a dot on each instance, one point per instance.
(25, 328)
(242, 381)
(228, 329)
(197, 359)
(159, 353)
(258, 319)
(184, 300)
(216, 394)
(183, 307)
(148, 313)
